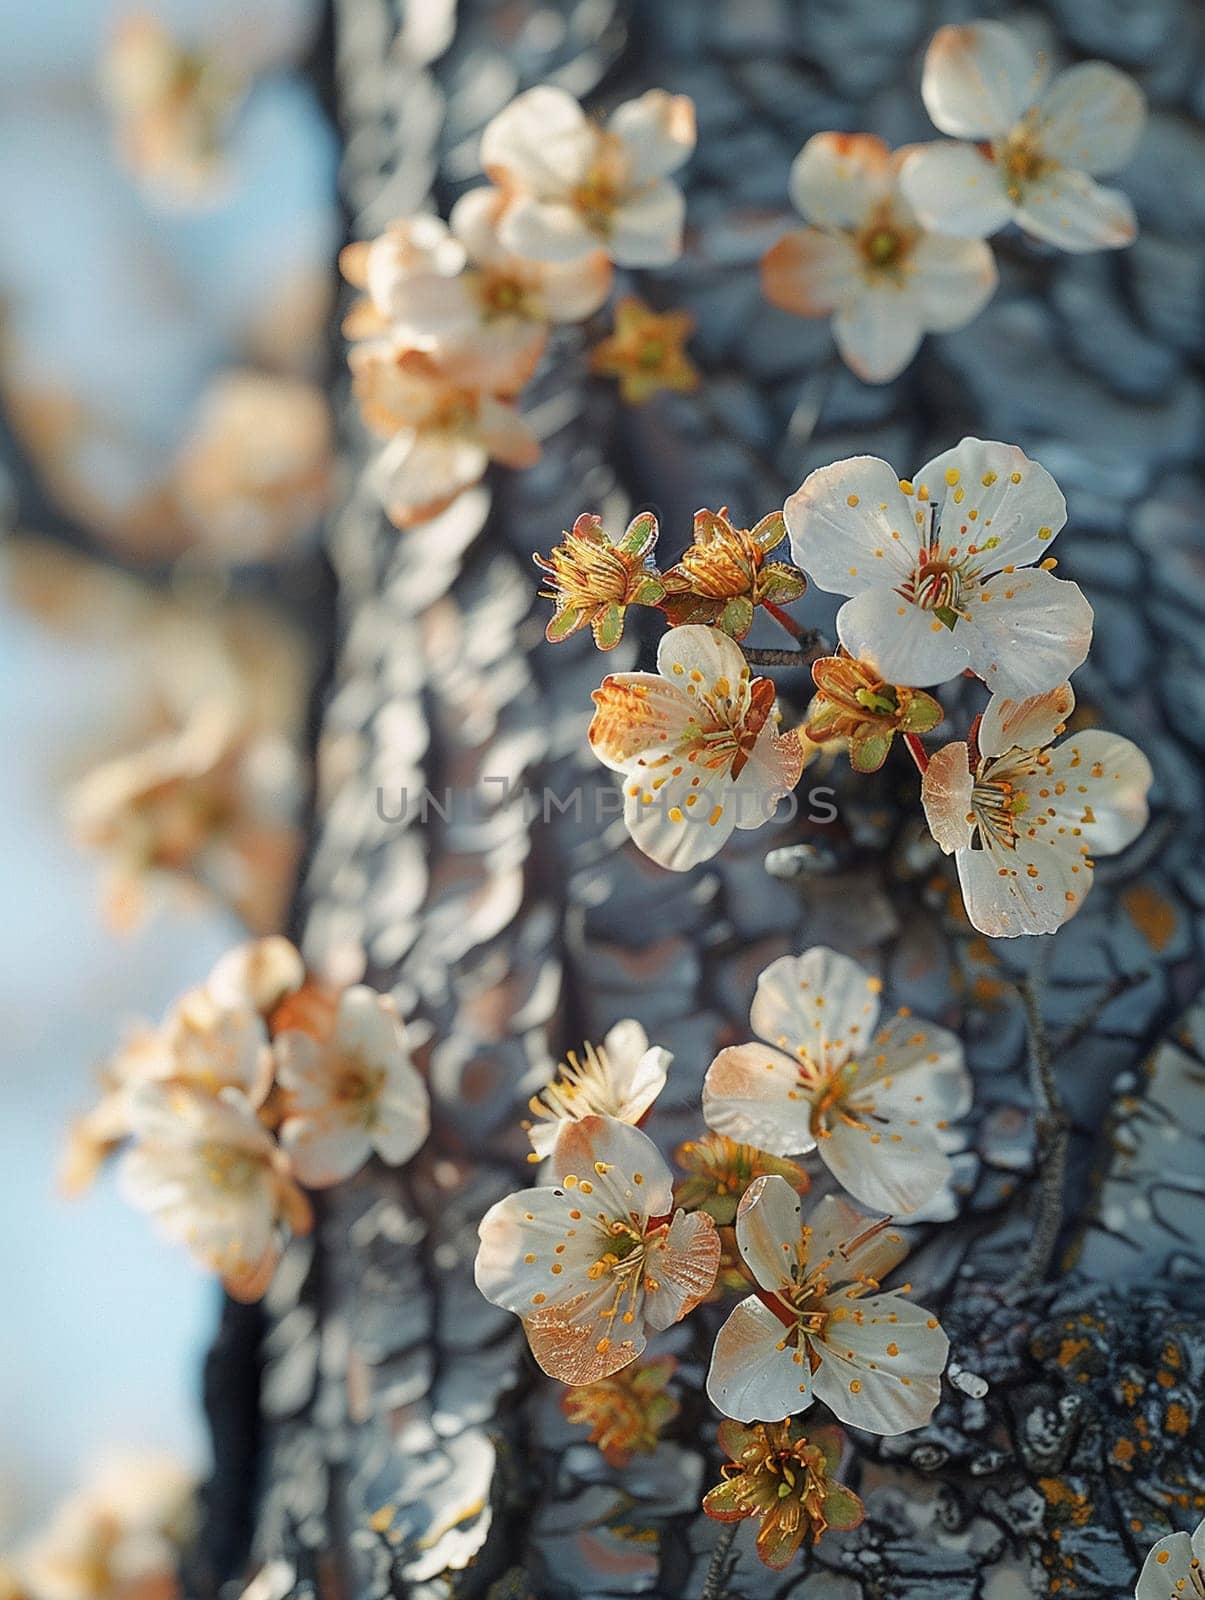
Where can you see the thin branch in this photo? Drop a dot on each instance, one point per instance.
(717, 1573)
(811, 647)
(1121, 984)
(1050, 1128)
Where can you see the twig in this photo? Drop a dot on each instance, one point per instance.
(1050, 1128)
(1121, 984)
(786, 621)
(717, 1574)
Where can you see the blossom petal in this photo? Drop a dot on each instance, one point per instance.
(1073, 211)
(1029, 724)
(837, 178)
(564, 1338)
(638, 1078)
(542, 142)
(863, 1382)
(634, 710)
(884, 1175)
(403, 1117)
(417, 474)
(679, 826)
(646, 231)
(859, 1247)
(853, 515)
(1004, 900)
(684, 1268)
(946, 790)
(919, 1064)
(545, 230)
(1167, 1571)
(769, 1230)
(505, 434)
(956, 189)
(1091, 117)
(993, 499)
(636, 1180)
(1027, 632)
(571, 291)
(979, 78)
(658, 132)
(879, 332)
(753, 1376)
(954, 279)
(1096, 785)
(773, 769)
(519, 1238)
(751, 1093)
(821, 1005)
(904, 643)
(809, 272)
(324, 1149)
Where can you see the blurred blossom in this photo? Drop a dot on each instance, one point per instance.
(646, 352)
(255, 474)
(172, 104)
(619, 1078)
(118, 1538)
(627, 1412)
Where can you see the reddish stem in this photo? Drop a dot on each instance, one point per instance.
(785, 620)
(917, 751)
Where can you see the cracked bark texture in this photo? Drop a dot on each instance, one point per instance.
(402, 1441)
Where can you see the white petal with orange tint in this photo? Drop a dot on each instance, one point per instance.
(881, 1372)
(1003, 901)
(882, 1162)
(571, 291)
(646, 230)
(683, 1267)
(956, 189)
(546, 230)
(637, 1180)
(811, 273)
(979, 78)
(852, 527)
(752, 1094)
(837, 178)
(953, 280)
(681, 826)
(1091, 117)
(879, 332)
(907, 644)
(324, 1150)
(753, 1375)
(1073, 211)
(1028, 724)
(946, 789)
(419, 473)
(658, 132)
(519, 1239)
(1027, 631)
(769, 1230)
(821, 1006)
(505, 435)
(1105, 781)
(634, 710)
(542, 141)
(992, 496)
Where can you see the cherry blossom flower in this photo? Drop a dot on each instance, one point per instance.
(211, 801)
(867, 261)
(645, 352)
(719, 1170)
(255, 474)
(724, 574)
(594, 580)
(1023, 820)
(351, 1095)
(411, 247)
(853, 702)
(117, 1538)
(500, 307)
(1175, 1568)
(816, 1329)
(215, 1037)
(594, 1262)
(627, 1412)
(938, 569)
(1034, 152)
(215, 1181)
(444, 429)
(619, 1078)
(874, 1103)
(787, 1479)
(173, 104)
(698, 744)
(573, 186)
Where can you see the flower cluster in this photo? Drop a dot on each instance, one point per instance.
(120, 1537)
(613, 1250)
(894, 246)
(947, 574)
(456, 317)
(256, 1082)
